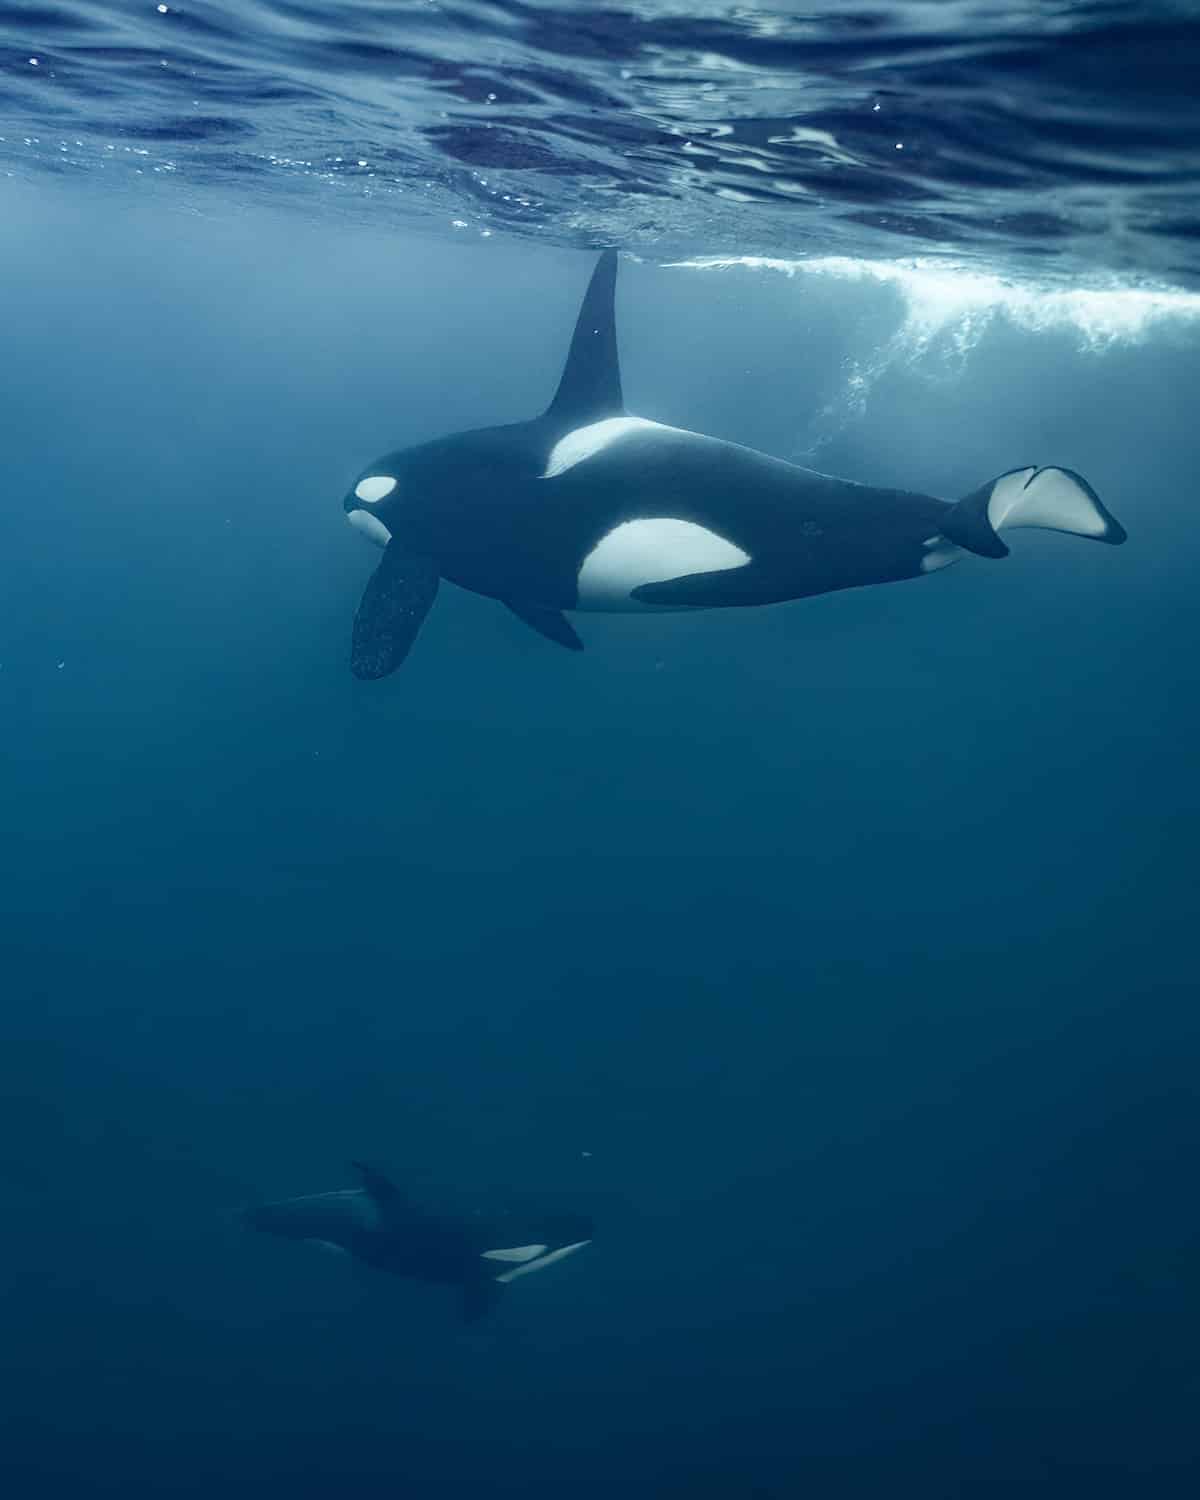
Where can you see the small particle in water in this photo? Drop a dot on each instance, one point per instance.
(491, 98)
(458, 223)
(33, 62)
(876, 108)
(585, 1153)
(899, 145)
(361, 162)
(61, 665)
(162, 9)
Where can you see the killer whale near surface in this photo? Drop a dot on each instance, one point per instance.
(589, 508)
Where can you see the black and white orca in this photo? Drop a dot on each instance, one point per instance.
(588, 508)
(379, 1226)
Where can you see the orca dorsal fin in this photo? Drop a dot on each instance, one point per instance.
(390, 1202)
(590, 388)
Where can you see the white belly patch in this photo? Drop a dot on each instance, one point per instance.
(651, 550)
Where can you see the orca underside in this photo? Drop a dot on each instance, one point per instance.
(589, 508)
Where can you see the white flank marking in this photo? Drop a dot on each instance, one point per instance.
(652, 550)
(1049, 498)
(586, 442)
(328, 1246)
(544, 1261)
(375, 488)
(517, 1253)
(940, 553)
(370, 526)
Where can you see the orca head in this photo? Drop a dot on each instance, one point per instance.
(373, 499)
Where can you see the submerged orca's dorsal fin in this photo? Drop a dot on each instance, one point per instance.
(383, 1192)
(590, 388)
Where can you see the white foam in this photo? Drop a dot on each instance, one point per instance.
(941, 297)
(946, 307)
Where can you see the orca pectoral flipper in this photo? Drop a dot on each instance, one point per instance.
(393, 607)
(551, 623)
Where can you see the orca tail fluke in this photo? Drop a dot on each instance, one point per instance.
(1051, 499)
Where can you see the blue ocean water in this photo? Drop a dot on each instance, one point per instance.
(838, 957)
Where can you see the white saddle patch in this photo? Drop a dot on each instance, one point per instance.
(517, 1253)
(940, 553)
(585, 442)
(1049, 498)
(543, 1261)
(370, 526)
(374, 488)
(652, 550)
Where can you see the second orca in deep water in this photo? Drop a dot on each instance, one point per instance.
(588, 508)
(380, 1226)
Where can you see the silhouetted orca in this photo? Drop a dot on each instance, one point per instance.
(588, 508)
(378, 1225)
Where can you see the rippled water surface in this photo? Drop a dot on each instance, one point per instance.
(1059, 138)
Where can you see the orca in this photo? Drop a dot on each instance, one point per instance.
(588, 507)
(379, 1226)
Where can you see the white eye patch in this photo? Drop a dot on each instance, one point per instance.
(374, 488)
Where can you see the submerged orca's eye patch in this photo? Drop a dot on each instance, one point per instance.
(374, 488)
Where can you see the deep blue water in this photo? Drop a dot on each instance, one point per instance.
(839, 957)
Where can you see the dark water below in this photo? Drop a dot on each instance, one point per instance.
(839, 957)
